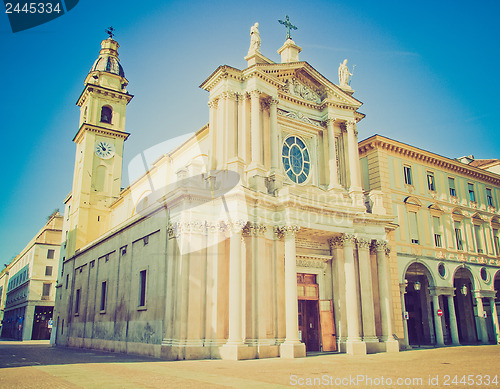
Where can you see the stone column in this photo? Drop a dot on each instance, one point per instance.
(438, 326)
(212, 128)
(483, 333)
(354, 345)
(402, 291)
(231, 130)
(453, 321)
(235, 348)
(242, 126)
(384, 288)
(353, 156)
(275, 149)
(292, 347)
(220, 141)
(332, 156)
(494, 316)
(366, 285)
(255, 127)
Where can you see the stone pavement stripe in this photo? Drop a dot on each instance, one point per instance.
(232, 382)
(31, 377)
(84, 376)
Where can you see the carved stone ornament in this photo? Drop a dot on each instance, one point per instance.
(379, 245)
(363, 243)
(174, 230)
(213, 103)
(255, 93)
(235, 226)
(336, 243)
(297, 89)
(229, 95)
(307, 262)
(348, 239)
(288, 230)
(351, 126)
(298, 116)
(253, 229)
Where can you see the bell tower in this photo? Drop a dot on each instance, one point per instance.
(99, 148)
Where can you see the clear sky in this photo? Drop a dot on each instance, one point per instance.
(425, 71)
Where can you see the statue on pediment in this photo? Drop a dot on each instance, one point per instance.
(254, 39)
(344, 74)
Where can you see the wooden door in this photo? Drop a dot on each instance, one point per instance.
(327, 325)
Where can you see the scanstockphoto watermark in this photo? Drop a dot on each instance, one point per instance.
(28, 14)
(356, 380)
(444, 380)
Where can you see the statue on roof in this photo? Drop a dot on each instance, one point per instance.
(254, 39)
(344, 74)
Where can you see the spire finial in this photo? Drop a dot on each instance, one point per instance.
(110, 31)
(288, 26)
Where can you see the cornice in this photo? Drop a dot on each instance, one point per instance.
(102, 90)
(100, 131)
(221, 72)
(423, 156)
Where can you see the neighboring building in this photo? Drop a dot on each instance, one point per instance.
(4, 278)
(249, 240)
(447, 243)
(30, 290)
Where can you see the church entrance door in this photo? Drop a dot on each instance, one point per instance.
(309, 323)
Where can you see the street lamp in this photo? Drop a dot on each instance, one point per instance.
(417, 285)
(463, 289)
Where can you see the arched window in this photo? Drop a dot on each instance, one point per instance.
(106, 113)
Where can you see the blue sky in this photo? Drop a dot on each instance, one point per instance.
(425, 71)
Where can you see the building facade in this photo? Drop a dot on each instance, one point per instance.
(447, 243)
(29, 282)
(4, 277)
(251, 239)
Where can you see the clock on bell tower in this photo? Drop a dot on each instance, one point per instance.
(99, 149)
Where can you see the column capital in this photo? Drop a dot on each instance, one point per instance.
(213, 102)
(253, 229)
(228, 95)
(351, 126)
(273, 102)
(255, 93)
(286, 230)
(348, 239)
(363, 243)
(330, 121)
(381, 245)
(336, 243)
(234, 226)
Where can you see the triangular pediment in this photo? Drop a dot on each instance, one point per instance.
(301, 80)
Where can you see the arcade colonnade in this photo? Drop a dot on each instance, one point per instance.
(459, 313)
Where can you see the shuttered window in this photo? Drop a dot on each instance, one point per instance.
(414, 228)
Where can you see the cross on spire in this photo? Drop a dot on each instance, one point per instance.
(110, 31)
(289, 26)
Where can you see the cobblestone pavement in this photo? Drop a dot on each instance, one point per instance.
(450, 367)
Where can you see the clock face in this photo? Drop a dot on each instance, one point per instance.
(104, 150)
(296, 160)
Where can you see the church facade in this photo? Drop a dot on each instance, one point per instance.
(252, 239)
